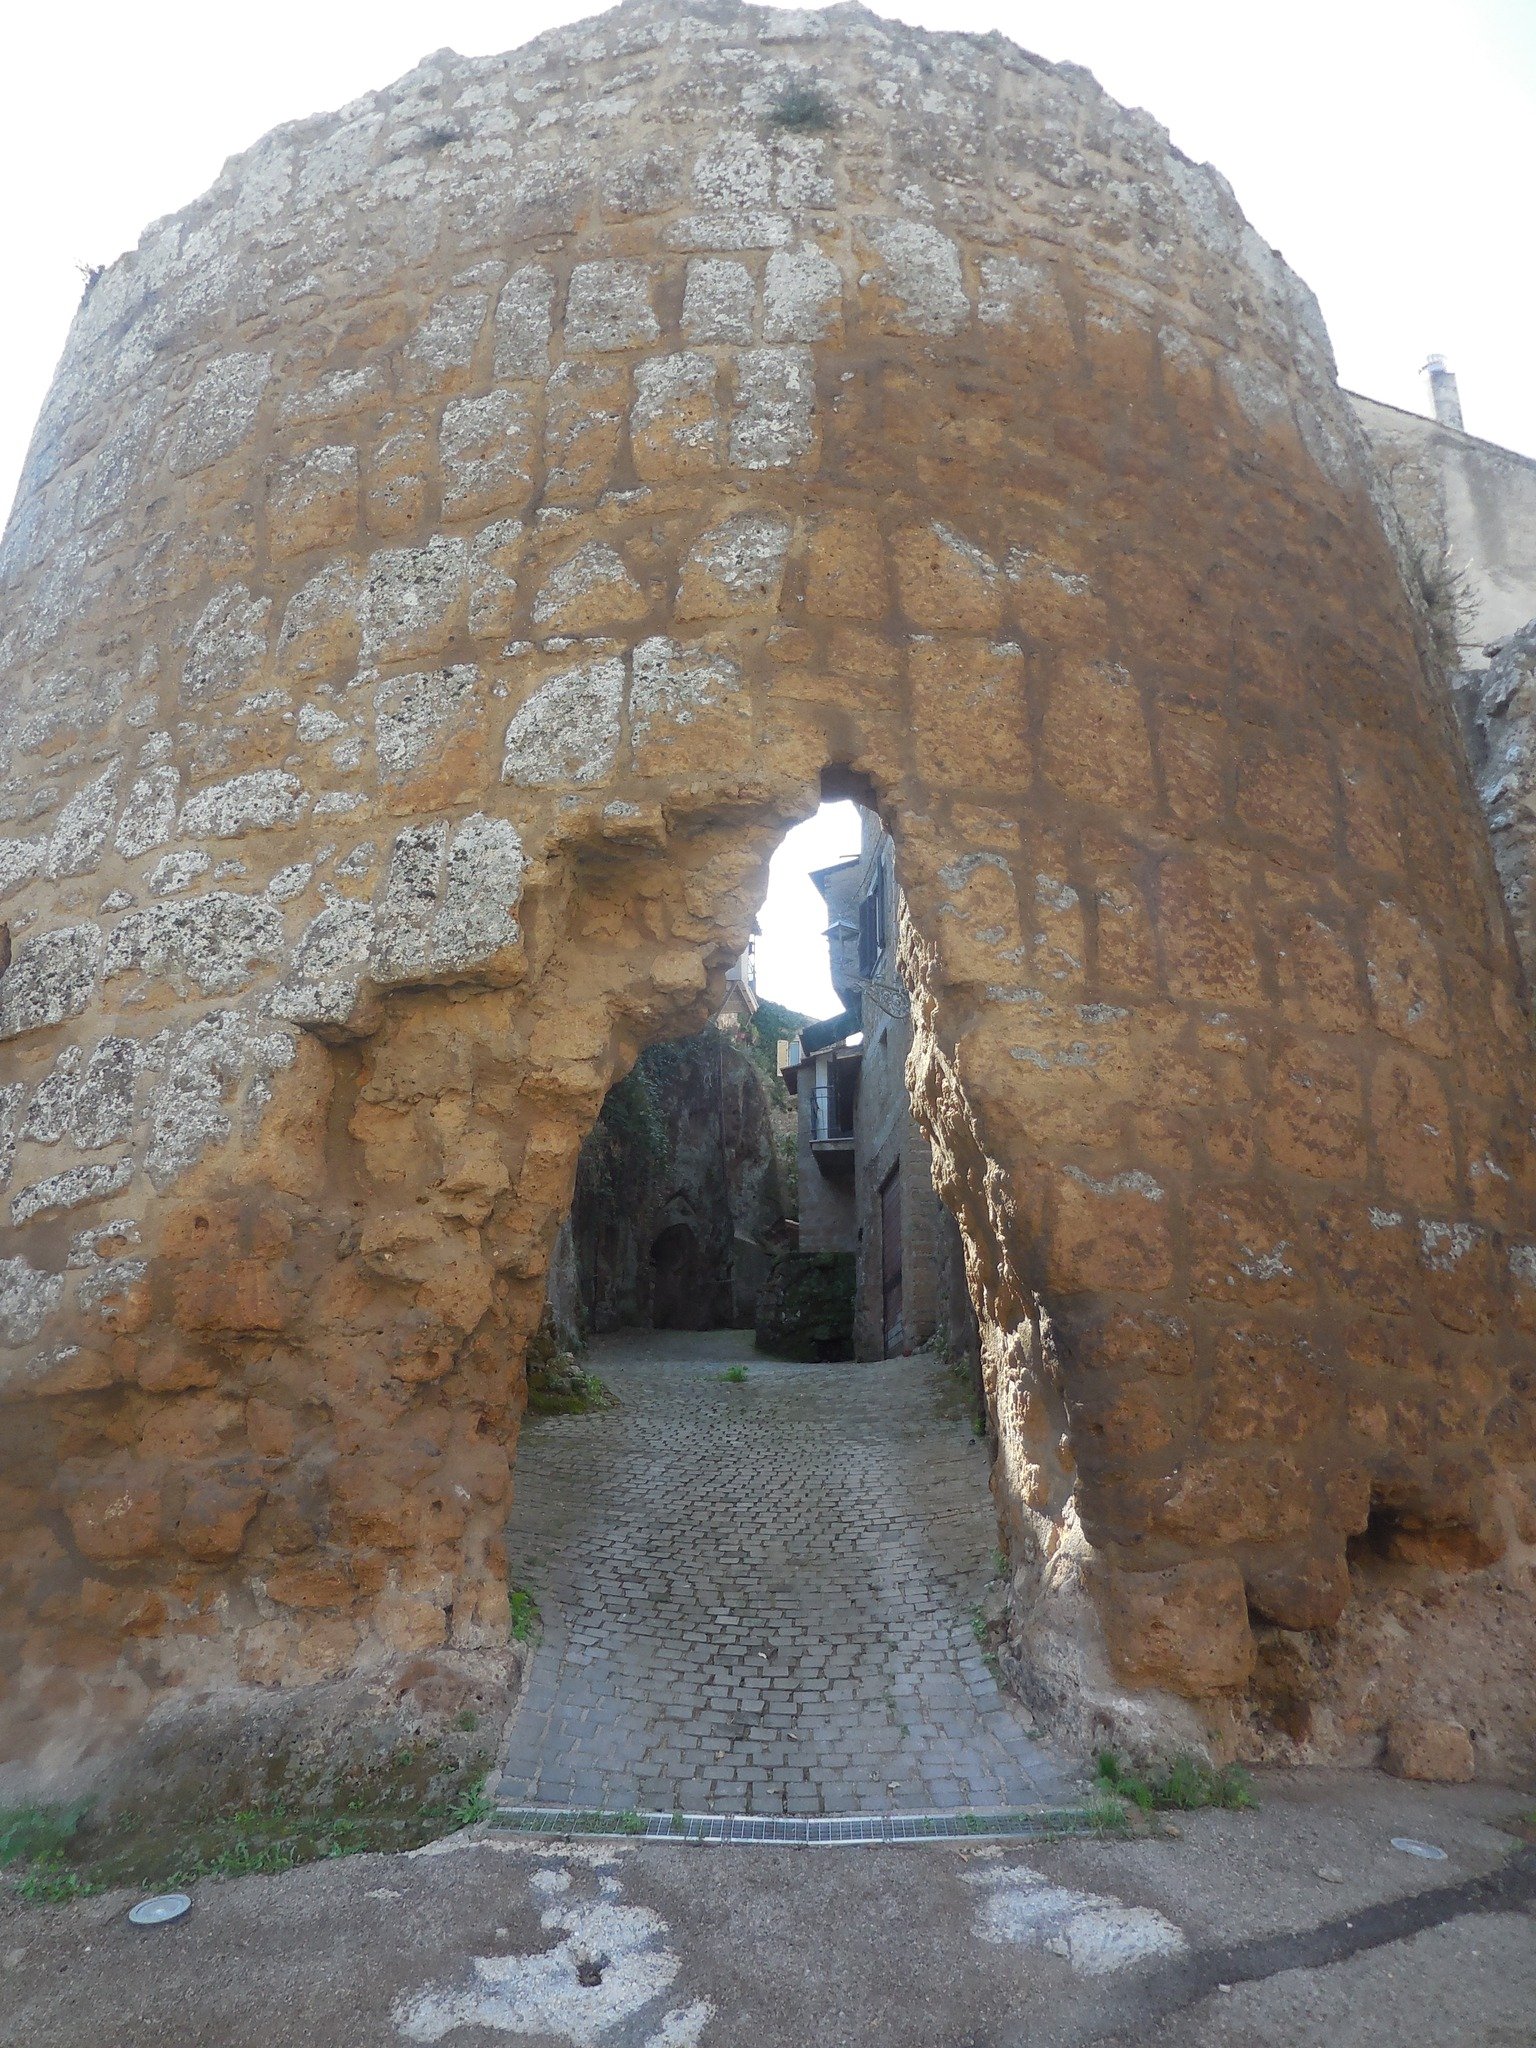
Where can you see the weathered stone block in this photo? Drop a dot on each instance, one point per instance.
(1208, 938)
(1314, 1118)
(1244, 1246)
(845, 573)
(1094, 741)
(585, 408)
(1267, 1382)
(1438, 1752)
(735, 567)
(1411, 1123)
(1285, 788)
(116, 1511)
(1110, 1233)
(675, 428)
(313, 501)
(1299, 1589)
(1366, 1254)
(957, 686)
(945, 582)
(239, 1294)
(1214, 1501)
(215, 1515)
(1185, 1628)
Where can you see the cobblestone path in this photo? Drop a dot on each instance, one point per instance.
(756, 1597)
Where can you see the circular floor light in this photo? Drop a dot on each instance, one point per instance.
(157, 1911)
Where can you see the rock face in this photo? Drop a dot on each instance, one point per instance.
(679, 1194)
(1497, 708)
(451, 553)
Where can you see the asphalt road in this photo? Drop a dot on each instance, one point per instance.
(1296, 1924)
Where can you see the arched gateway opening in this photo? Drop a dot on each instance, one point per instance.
(751, 1502)
(450, 556)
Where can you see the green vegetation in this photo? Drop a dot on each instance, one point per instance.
(567, 1390)
(631, 1823)
(1448, 602)
(630, 1147)
(473, 1805)
(52, 1854)
(524, 1610)
(557, 1383)
(35, 1834)
(805, 1309)
(789, 1168)
(39, 1839)
(735, 1374)
(770, 1023)
(633, 1133)
(1184, 1786)
(1106, 1814)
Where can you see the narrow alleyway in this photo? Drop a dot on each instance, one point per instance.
(756, 1595)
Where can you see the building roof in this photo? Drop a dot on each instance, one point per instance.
(838, 867)
(817, 1037)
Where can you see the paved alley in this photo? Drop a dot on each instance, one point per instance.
(756, 1596)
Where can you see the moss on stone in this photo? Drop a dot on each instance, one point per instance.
(805, 1310)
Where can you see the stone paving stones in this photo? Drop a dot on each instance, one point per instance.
(756, 1597)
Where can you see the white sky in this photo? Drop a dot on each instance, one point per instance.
(1384, 145)
(791, 946)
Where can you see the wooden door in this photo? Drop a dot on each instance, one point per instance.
(890, 1263)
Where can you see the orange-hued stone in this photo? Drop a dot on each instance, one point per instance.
(1186, 1626)
(435, 588)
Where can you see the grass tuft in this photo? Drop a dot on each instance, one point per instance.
(1106, 1814)
(735, 1374)
(524, 1612)
(32, 1834)
(1185, 1786)
(473, 1805)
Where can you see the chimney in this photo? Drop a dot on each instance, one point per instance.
(1443, 395)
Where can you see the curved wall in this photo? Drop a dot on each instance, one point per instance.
(451, 553)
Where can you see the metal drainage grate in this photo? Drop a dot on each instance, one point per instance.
(830, 1831)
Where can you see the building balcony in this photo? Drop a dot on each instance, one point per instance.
(829, 1117)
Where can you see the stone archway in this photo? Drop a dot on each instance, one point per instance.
(451, 552)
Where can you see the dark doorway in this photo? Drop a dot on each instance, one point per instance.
(681, 1296)
(892, 1336)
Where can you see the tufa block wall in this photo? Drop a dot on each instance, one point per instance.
(451, 553)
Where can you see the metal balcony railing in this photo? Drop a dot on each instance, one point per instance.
(831, 1117)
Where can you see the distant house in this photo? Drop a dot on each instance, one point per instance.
(865, 1171)
(735, 1014)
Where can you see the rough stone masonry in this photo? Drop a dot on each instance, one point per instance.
(451, 553)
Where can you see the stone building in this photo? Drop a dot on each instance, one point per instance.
(1469, 509)
(452, 552)
(865, 1168)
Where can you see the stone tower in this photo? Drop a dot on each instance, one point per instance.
(452, 551)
